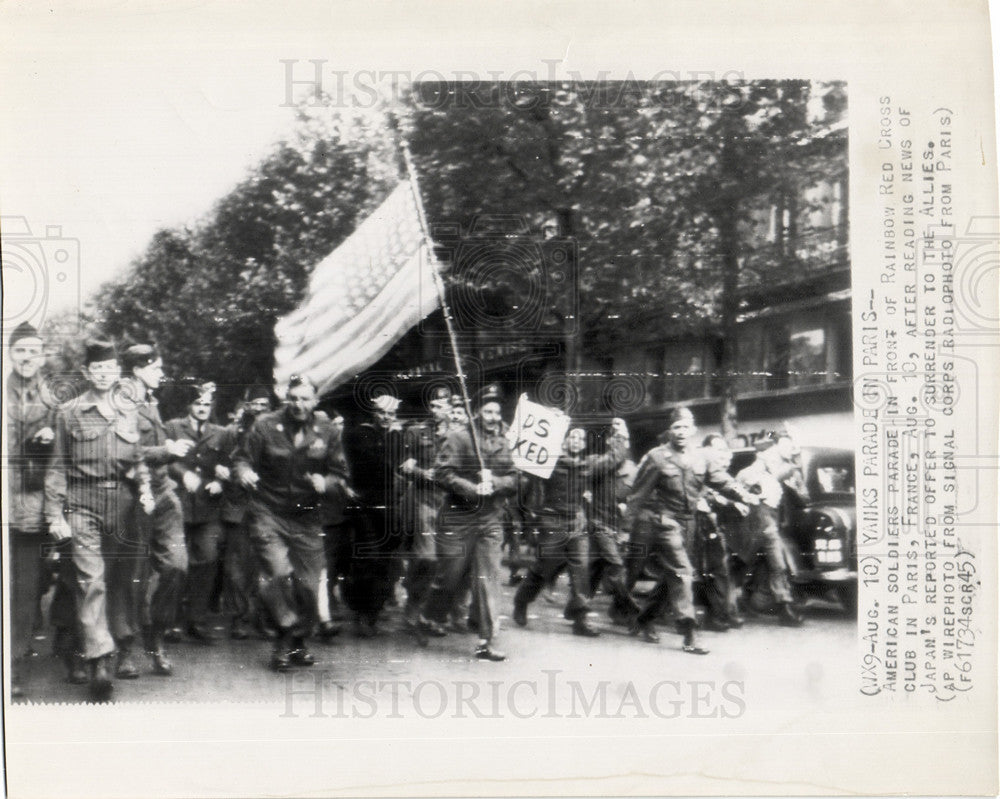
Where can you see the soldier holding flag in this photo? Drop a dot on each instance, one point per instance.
(477, 475)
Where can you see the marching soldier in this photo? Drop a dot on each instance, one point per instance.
(337, 542)
(373, 451)
(662, 507)
(422, 500)
(773, 472)
(710, 548)
(558, 506)
(608, 489)
(164, 529)
(95, 477)
(290, 460)
(29, 446)
(239, 562)
(471, 520)
(202, 474)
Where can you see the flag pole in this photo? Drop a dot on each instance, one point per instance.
(439, 285)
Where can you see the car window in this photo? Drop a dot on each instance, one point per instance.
(835, 479)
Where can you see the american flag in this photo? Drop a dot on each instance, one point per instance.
(361, 298)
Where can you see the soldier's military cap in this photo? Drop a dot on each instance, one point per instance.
(98, 350)
(680, 414)
(138, 356)
(386, 403)
(439, 394)
(22, 331)
(258, 392)
(490, 393)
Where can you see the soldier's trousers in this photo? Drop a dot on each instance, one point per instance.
(203, 557)
(665, 539)
(290, 554)
(239, 594)
(772, 549)
(62, 612)
(558, 547)
(106, 547)
(468, 550)
(374, 546)
(163, 572)
(604, 549)
(25, 575)
(422, 564)
(711, 554)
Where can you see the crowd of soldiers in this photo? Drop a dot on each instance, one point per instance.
(143, 516)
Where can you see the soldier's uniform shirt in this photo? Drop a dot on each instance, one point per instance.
(563, 537)
(374, 453)
(421, 495)
(208, 452)
(766, 476)
(239, 566)
(94, 477)
(285, 510)
(663, 502)
(471, 526)
(164, 529)
(27, 414)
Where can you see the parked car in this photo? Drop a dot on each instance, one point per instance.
(822, 533)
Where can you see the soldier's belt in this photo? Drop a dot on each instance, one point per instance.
(107, 485)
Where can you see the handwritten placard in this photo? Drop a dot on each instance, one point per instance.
(536, 437)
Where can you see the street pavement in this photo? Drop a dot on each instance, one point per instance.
(763, 661)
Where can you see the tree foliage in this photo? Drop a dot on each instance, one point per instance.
(655, 184)
(209, 294)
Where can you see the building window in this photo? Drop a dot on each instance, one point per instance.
(807, 362)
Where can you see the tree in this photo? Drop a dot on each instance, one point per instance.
(656, 183)
(209, 295)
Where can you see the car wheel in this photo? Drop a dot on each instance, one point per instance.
(848, 596)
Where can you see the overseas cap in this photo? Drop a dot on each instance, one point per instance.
(99, 350)
(22, 331)
(386, 403)
(137, 356)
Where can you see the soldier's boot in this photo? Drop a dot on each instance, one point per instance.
(76, 668)
(583, 627)
(520, 612)
(299, 655)
(484, 651)
(153, 640)
(686, 627)
(281, 656)
(18, 677)
(127, 668)
(101, 686)
(645, 630)
(788, 616)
